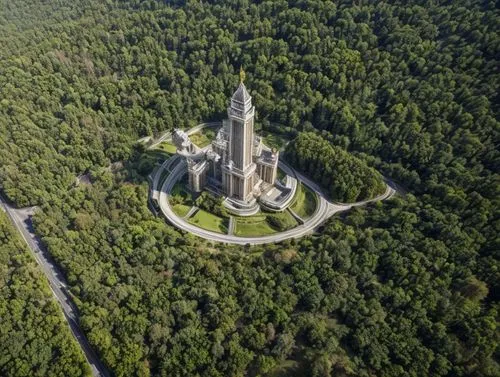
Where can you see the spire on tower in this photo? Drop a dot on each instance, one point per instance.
(241, 101)
(242, 74)
(241, 94)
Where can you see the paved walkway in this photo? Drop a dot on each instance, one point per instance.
(165, 136)
(231, 226)
(296, 216)
(191, 212)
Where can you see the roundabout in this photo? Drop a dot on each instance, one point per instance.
(175, 168)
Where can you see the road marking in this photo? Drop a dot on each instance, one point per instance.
(55, 284)
(324, 210)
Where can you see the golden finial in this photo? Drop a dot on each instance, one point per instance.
(242, 74)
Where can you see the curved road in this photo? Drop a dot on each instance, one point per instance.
(324, 210)
(21, 220)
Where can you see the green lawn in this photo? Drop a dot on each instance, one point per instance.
(181, 210)
(209, 221)
(252, 226)
(304, 203)
(168, 147)
(202, 138)
(261, 225)
(287, 221)
(261, 228)
(251, 219)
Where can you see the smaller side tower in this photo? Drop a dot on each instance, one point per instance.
(182, 142)
(267, 165)
(197, 174)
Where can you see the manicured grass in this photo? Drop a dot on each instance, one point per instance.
(304, 203)
(253, 229)
(168, 147)
(260, 224)
(252, 226)
(181, 210)
(287, 221)
(251, 219)
(209, 221)
(202, 138)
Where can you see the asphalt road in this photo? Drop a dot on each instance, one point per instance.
(324, 210)
(21, 218)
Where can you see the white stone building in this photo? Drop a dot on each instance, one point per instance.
(237, 164)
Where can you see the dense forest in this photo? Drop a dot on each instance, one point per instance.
(408, 287)
(346, 178)
(34, 337)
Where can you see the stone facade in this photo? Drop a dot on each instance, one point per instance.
(236, 164)
(197, 174)
(238, 169)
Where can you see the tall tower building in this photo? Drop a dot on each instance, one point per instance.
(237, 165)
(238, 172)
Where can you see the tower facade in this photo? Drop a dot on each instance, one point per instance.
(237, 164)
(238, 171)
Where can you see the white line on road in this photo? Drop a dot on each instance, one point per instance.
(57, 285)
(324, 210)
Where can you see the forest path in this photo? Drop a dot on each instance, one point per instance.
(21, 218)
